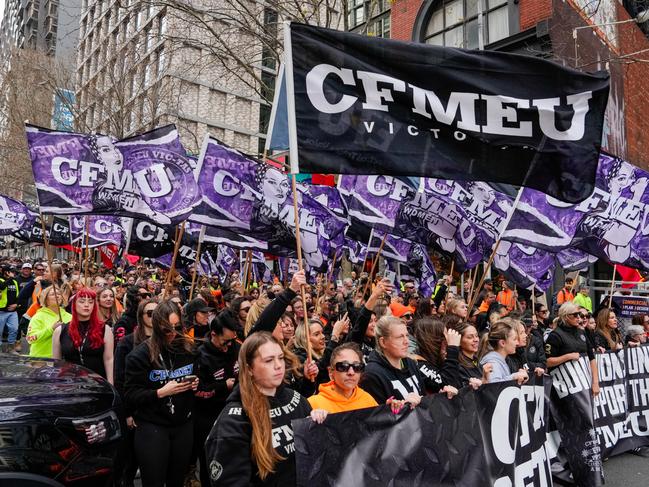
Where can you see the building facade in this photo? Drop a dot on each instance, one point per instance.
(47, 25)
(578, 33)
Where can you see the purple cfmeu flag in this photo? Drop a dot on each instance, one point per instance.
(612, 224)
(102, 230)
(252, 198)
(147, 176)
(394, 248)
(356, 251)
(428, 216)
(572, 260)
(13, 215)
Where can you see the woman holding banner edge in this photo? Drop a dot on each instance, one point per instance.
(568, 341)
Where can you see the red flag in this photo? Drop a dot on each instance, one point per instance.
(323, 179)
(108, 254)
(629, 274)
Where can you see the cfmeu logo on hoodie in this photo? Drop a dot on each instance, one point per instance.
(158, 375)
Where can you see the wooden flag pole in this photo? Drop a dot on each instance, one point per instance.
(610, 298)
(197, 262)
(173, 259)
(248, 270)
(298, 243)
(333, 268)
(473, 273)
(49, 263)
(374, 263)
(533, 299)
(87, 253)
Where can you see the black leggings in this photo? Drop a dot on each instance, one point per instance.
(163, 453)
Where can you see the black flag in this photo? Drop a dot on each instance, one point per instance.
(365, 105)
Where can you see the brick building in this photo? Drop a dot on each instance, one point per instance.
(547, 28)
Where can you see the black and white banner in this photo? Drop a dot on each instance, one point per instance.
(501, 435)
(621, 410)
(366, 105)
(459, 442)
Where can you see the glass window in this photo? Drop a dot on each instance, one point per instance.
(498, 24)
(454, 23)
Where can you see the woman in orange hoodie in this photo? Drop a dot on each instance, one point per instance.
(342, 393)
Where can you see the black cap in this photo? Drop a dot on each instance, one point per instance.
(196, 305)
(8, 268)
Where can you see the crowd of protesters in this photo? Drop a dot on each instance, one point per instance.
(212, 383)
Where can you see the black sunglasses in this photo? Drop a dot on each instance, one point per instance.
(408, 316)
(149, 312)
(578, 315)
(344, 366)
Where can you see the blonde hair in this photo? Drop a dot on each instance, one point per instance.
(254, 312)
(301, 338)
(498, 331)
(382, 329)
(42, 297)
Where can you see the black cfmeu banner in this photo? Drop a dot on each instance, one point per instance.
(621, 410)
(58, 232)
(366, 105)
(571, 409)
(494, 436)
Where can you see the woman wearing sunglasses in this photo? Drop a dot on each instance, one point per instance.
(342, 392)
(160, 385)
(568, 341)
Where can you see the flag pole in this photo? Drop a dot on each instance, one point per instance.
(333, 268)
(173, 259)
(374, 263)
(610, 298)
(197, 262)
(87, 253)
(48, 252)
(298, 243)
(497, 244)
(248, 269)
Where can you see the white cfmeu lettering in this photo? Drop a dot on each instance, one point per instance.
(502, 112)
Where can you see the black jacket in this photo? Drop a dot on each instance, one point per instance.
(535, 352)
(228, 445)
(466, 372)
(447, 374)
(125, 325)
(124, 347)
(272, 313)
(382, 381)
(213, 369)
(144, 378)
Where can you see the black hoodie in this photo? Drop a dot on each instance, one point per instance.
(382, 380)
(213, 368)
(228, 445)
(144, 378)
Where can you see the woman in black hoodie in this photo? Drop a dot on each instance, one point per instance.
(389, 372)
(160, 380)
(251, 443)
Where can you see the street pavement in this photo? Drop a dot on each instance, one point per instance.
(627, 470)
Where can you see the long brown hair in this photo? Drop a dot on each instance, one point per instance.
(465, 361)
(256, 405)
(429, 335)
(161, 327)
(613, 337)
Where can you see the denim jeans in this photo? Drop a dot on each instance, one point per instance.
(10, 319)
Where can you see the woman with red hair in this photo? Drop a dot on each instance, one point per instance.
(86, 340)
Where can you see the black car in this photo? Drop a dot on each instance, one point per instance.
(59, 424)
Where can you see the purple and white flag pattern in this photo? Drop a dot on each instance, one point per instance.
(147, 176)
(254, 199)
(13, 215)
(612, 224)
(102, 230)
